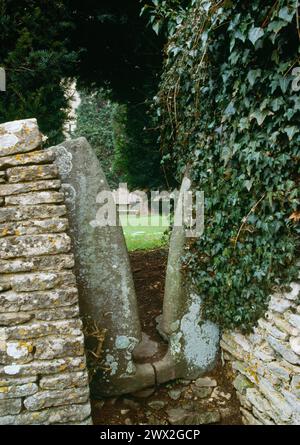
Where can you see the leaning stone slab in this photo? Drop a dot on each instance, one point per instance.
(32, 173)
(19, 137)
(193, 341)
(19, 246)
(106, 288)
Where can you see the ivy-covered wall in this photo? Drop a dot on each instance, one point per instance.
(228, 106)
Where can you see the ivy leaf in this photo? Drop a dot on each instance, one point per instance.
(248, 184)
(253, 75)
(291, 131)
(287, 14)
(259, 116)
(255, 34)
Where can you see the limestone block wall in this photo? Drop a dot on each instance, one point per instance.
(43, 376)
(266, 363)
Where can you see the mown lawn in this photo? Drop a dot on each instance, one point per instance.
(144, 233)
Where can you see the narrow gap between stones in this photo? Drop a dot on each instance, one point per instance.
(207, 400)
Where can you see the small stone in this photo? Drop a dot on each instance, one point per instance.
(157, 405)
(124, 411)
(128, 421)
(174, 394)
(202, 393)
(205, 382)
(295, 344)
(179, 416)
(131, 404)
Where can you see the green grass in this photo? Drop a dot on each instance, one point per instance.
(143, 233)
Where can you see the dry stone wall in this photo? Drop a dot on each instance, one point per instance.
(43, 376)
(266, 363)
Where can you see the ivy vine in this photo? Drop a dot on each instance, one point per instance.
(228, 106)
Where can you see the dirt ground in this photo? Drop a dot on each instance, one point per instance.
(149, 269)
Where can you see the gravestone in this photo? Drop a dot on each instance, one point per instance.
(193, 342)
(106, 289)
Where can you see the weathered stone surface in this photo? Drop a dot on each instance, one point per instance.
(52, 347)
(278, 402)
(31, 212)
(284, 325)
(145, 350)
(30, 264)
(295, 344)
(42, 329)
(42, 281)
(62, 381)
(60, 313)
(279, 304)
(11, 392)
(294, 293)
(65, 414)
(103, 275)
(284, 351)
(17, 246)
(34, 157)
(278, 370)
(206, 382)
(241, 384)
(32, 173)
(34, 198)
(19, 137)
(274, 331)
(34, 227)
(14, 381)
(295, 385)
(179, 416)
(21, 189)
(10, 407)
(13, 319)
(193, 342)
(68, 364)
(255, 398)
(294, 319)
(47, 399)
(29, 301)
(248, 418)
